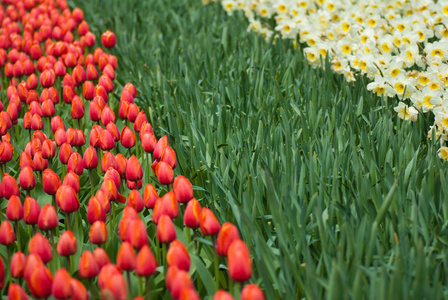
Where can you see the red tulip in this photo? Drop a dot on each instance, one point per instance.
(79, 74)
(252, 292)
(17, 267)
(98, 233)
(106, 140)
(71, 179)
(164, 173)
(108, 39)
(50, 182)
(222, 295)
(7, 236)
(40, 282)
(107, 116)
(169, 156)
(127, 137)
(39, 245)
(160, 147)
(14, 210)
(136, 233)
(146, 263)
(79, 291)
(26, 178)
(101, 257)
(135, 200)
(90, 159)
(134, 170)
(239, 262)
(6, 152)
(95, 211)
(178, 256)
(149, 142)
(189, 294)
(67, 244)
(192, 216)
(166, 232)
(9, 186)
(65, 152)
(61, 288)
(141, 118)
(67, 199)
(75, 163)
(183, 189)
(126, 258)
(150, 196)
(31, 211)
(88, 267)
(209, 223)
(16, 292)
(226, 236)
(115, 288)
(77, 111)
(48, 149)
(32, 262)
(92, 73)
(167, 205)
(108, 161)
(48, 218)
(132, 112)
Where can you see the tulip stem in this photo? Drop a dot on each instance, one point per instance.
(112, 203)
(53, 259)
(80, 124)
(148, 290)
(53, 200)
(215, 254)
(91, 289)
(158, 250)
(67, 221)
(29, 134)
(129, 285)
(188, 234)
(69, 265)
(195, 241)
(165, 267)
(19, 247)
(136, 147)
(148, 177)
(91, 182)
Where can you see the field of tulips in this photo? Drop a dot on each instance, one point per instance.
(160, 150)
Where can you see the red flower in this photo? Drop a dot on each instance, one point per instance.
(90, 159)
(146, 263)
(95, 211)
(67, 199)
(9, 186)
(127, 137)
(108, 161)
(18, 265)
(75, 163)
(98, 233)
(39, 245)
(192, 216)
(31, 210)
(26, 179)
(167, 205)
(48, 218)
(61, 288)
(50, 181)
(226, 236)
(135, 200)
(88, 267)
(150, 196)
(126, 258)
(209, 223)
(67, 244)
(239, 262)
(108, 39)
(164, 173)
(134, 170)
(40, 282)
(79, 291)
(178, 256)
(14, 210)
(166, 232)
(222, 295)
(7, 236)
(252, 292)
(101, 257)
(183, 189)
(160, 147)
(169, 156)
(16, 292)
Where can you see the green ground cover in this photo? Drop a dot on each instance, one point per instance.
(335, 196)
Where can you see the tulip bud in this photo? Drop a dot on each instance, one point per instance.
(146, 264)
(169, 156)
(166, 233)
(189, 294)
(149, 142)
(79, 291)
(107, 116)
(94, 111)
(90, 159)
(178, 256)
(67, 244)
(150, 196)
(16, 292)
(252, 292)
(98, 233)
(65, 152)
(209, 223)
(32, 262)
(192, 216)
(108, 161)
(88, 90)
(226, 236)
(108, 39)
(183, 189)
(181, 281)
(135, 200)
(40, 282)
(127, 137)
(79, 74)
(167, 205)
(26, 179)
(88, 267)
(160, 147)
(67, 199)
(71, 179)
(9, 186)
(50, 181)
(164, 173)
(126, 258)
(95, 211)
(106, 140)
(136, 233)
(134, 170)
(239, 262)
(61, 288)
(17, 267)
(39, 245)
(14, 210)
(31, 211)
(7, 236)
(121, 164)
(77, 110)
(222, 295)
(48, 218)
(101, 257)
(6, 152)
(75, 163)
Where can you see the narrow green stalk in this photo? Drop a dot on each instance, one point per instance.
(19, 247)
(148, 290)
(80, 124)
(215, 255)
(67, 222)
(165, 267)
(69, 265)
(129, 285)
(91, 182)
(136, 146)
(188, 234)
(158, 254)
(148, 176)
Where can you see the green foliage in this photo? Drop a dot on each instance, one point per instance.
(335, 196)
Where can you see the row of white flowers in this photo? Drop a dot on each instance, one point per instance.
(401, 46)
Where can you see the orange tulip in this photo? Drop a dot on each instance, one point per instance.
(31, 211)
(25, 160)
(75, 163)
(226, 236)
(167, 205)
(61, 288)
(95, 211)
(9, 186)
(164, 173)
(183, 189)
(166, 233)
(79, 291)
(90, 159)
(67, 244)
(170, 275)
(160, 147)
(126, 258)
(252, 292)
(127, 137)
(135, 200)
(88, 268)
(16, 292)
(108, 161)
(101, 257)
(112, 174)
(48, 218)
(189, 294)
(239, 262)
(146, 263)
(209, 223)
(192, 216)
(98, 233)
(39, 245)
(121, 164)
(181, 281)
(222, 295)
(134, 170)
(178, 256)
